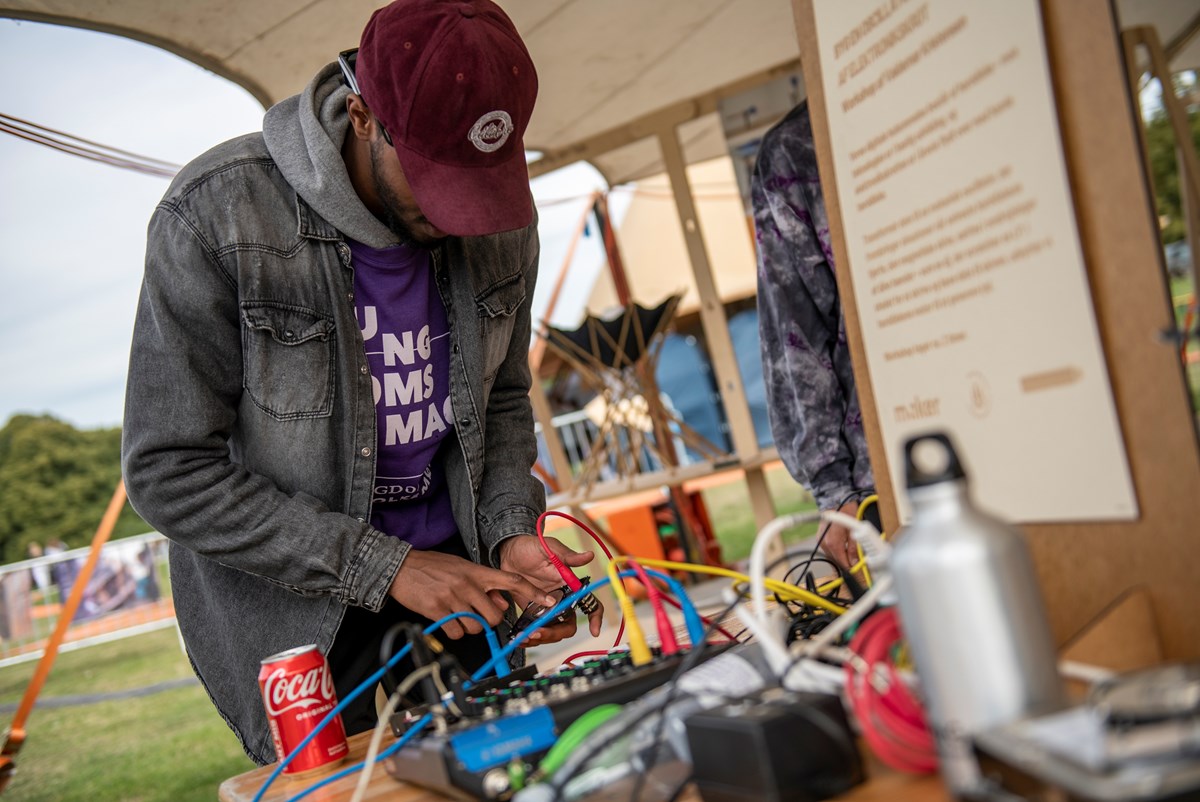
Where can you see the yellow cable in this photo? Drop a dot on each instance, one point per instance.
(782, 588)
(866, 502)
(859, 514)
(639, 650)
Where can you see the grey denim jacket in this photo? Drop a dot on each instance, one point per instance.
(249, 433)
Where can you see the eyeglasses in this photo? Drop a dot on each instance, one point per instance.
(347, 60)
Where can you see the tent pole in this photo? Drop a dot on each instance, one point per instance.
(716, 328)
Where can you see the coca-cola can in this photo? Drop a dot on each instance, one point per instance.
(297, 690)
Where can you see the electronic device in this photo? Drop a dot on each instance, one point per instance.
(1136, 738)
(791, 747)
(510, 724)
(534, 611)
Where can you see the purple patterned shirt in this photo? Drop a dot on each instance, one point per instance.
(812, 402)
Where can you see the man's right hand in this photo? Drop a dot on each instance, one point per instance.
(436, 585)
(838, 543)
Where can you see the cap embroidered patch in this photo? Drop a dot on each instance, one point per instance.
(491, 131)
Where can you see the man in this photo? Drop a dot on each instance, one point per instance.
(327, 407)
(812, 403)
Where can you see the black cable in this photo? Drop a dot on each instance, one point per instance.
(678, 792)
(825, 530)
(557, 783)
(687, 665)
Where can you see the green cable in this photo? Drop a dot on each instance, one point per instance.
(516, 774)
(575, 735)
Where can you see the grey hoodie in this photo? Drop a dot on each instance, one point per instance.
(304, 135)
(249, 434)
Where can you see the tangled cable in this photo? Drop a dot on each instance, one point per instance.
(889, 713)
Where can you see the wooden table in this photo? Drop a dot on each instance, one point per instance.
(884, 785)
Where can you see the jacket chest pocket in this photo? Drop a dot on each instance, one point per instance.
(288, 360)
(497, 310)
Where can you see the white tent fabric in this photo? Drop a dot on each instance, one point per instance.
(603, 64)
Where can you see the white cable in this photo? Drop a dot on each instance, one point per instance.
(364, 778)
(758, 556)
(1093, 675)
(774, 647)
(875, 548)
(813, 675)
(856, 612)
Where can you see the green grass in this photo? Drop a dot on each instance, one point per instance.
(729, 510)
(171, 746)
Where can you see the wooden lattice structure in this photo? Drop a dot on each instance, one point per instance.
(617, 359)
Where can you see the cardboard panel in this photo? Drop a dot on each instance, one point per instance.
(1083, 567)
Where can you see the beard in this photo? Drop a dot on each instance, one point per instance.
(391, 203)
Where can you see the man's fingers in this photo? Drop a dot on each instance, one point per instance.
(499, 601)
(453, 629)
(553, 633)
(596, 621)
(518, 585)
(577, 558)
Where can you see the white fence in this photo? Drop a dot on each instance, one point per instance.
(128, 593)
(578, 433)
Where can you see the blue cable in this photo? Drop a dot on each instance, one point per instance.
(391, 750)
(691, 617)
(497, 659)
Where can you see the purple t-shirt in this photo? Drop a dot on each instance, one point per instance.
(407, 340)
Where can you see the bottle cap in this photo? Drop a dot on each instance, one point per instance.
(930, 459)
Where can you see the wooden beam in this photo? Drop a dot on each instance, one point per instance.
(712, 312)
(650, 124)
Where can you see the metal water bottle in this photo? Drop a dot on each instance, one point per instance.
(971, 610)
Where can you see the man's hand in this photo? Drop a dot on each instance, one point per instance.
(524, 555)
(838, 544)
(436, 585)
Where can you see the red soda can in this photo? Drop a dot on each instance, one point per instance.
(297, 690)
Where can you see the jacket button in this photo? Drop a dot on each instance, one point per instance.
(363, 369)
(465, 423)
(366, 452)
(455, 348)
(361, 519)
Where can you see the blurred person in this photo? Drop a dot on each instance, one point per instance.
(40, 571)
(63, 570)
(327, 409)
(812, 400)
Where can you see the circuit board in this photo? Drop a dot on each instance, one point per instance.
(519, 721)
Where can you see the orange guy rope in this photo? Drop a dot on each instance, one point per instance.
(14, 736)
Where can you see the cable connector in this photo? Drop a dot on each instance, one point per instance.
(589, 603)
(568, 576)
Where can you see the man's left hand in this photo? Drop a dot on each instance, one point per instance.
(523, 555)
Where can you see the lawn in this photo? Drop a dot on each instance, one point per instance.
(172, 745)
(729, 510)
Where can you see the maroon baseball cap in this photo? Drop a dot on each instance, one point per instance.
(454, 86)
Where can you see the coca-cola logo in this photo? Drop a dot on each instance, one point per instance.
(283, 692)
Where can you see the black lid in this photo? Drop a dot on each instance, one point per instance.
(930, 459)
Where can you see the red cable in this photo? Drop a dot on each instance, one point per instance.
(592, 653)
(707, 621)
(666, 632)
(892, 722)
(568, 576)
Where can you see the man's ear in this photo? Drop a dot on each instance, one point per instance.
(360, 117)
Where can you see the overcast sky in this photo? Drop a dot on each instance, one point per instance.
(73, 231)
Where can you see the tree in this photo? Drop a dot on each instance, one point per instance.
(56, 482)
(1160, 142)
